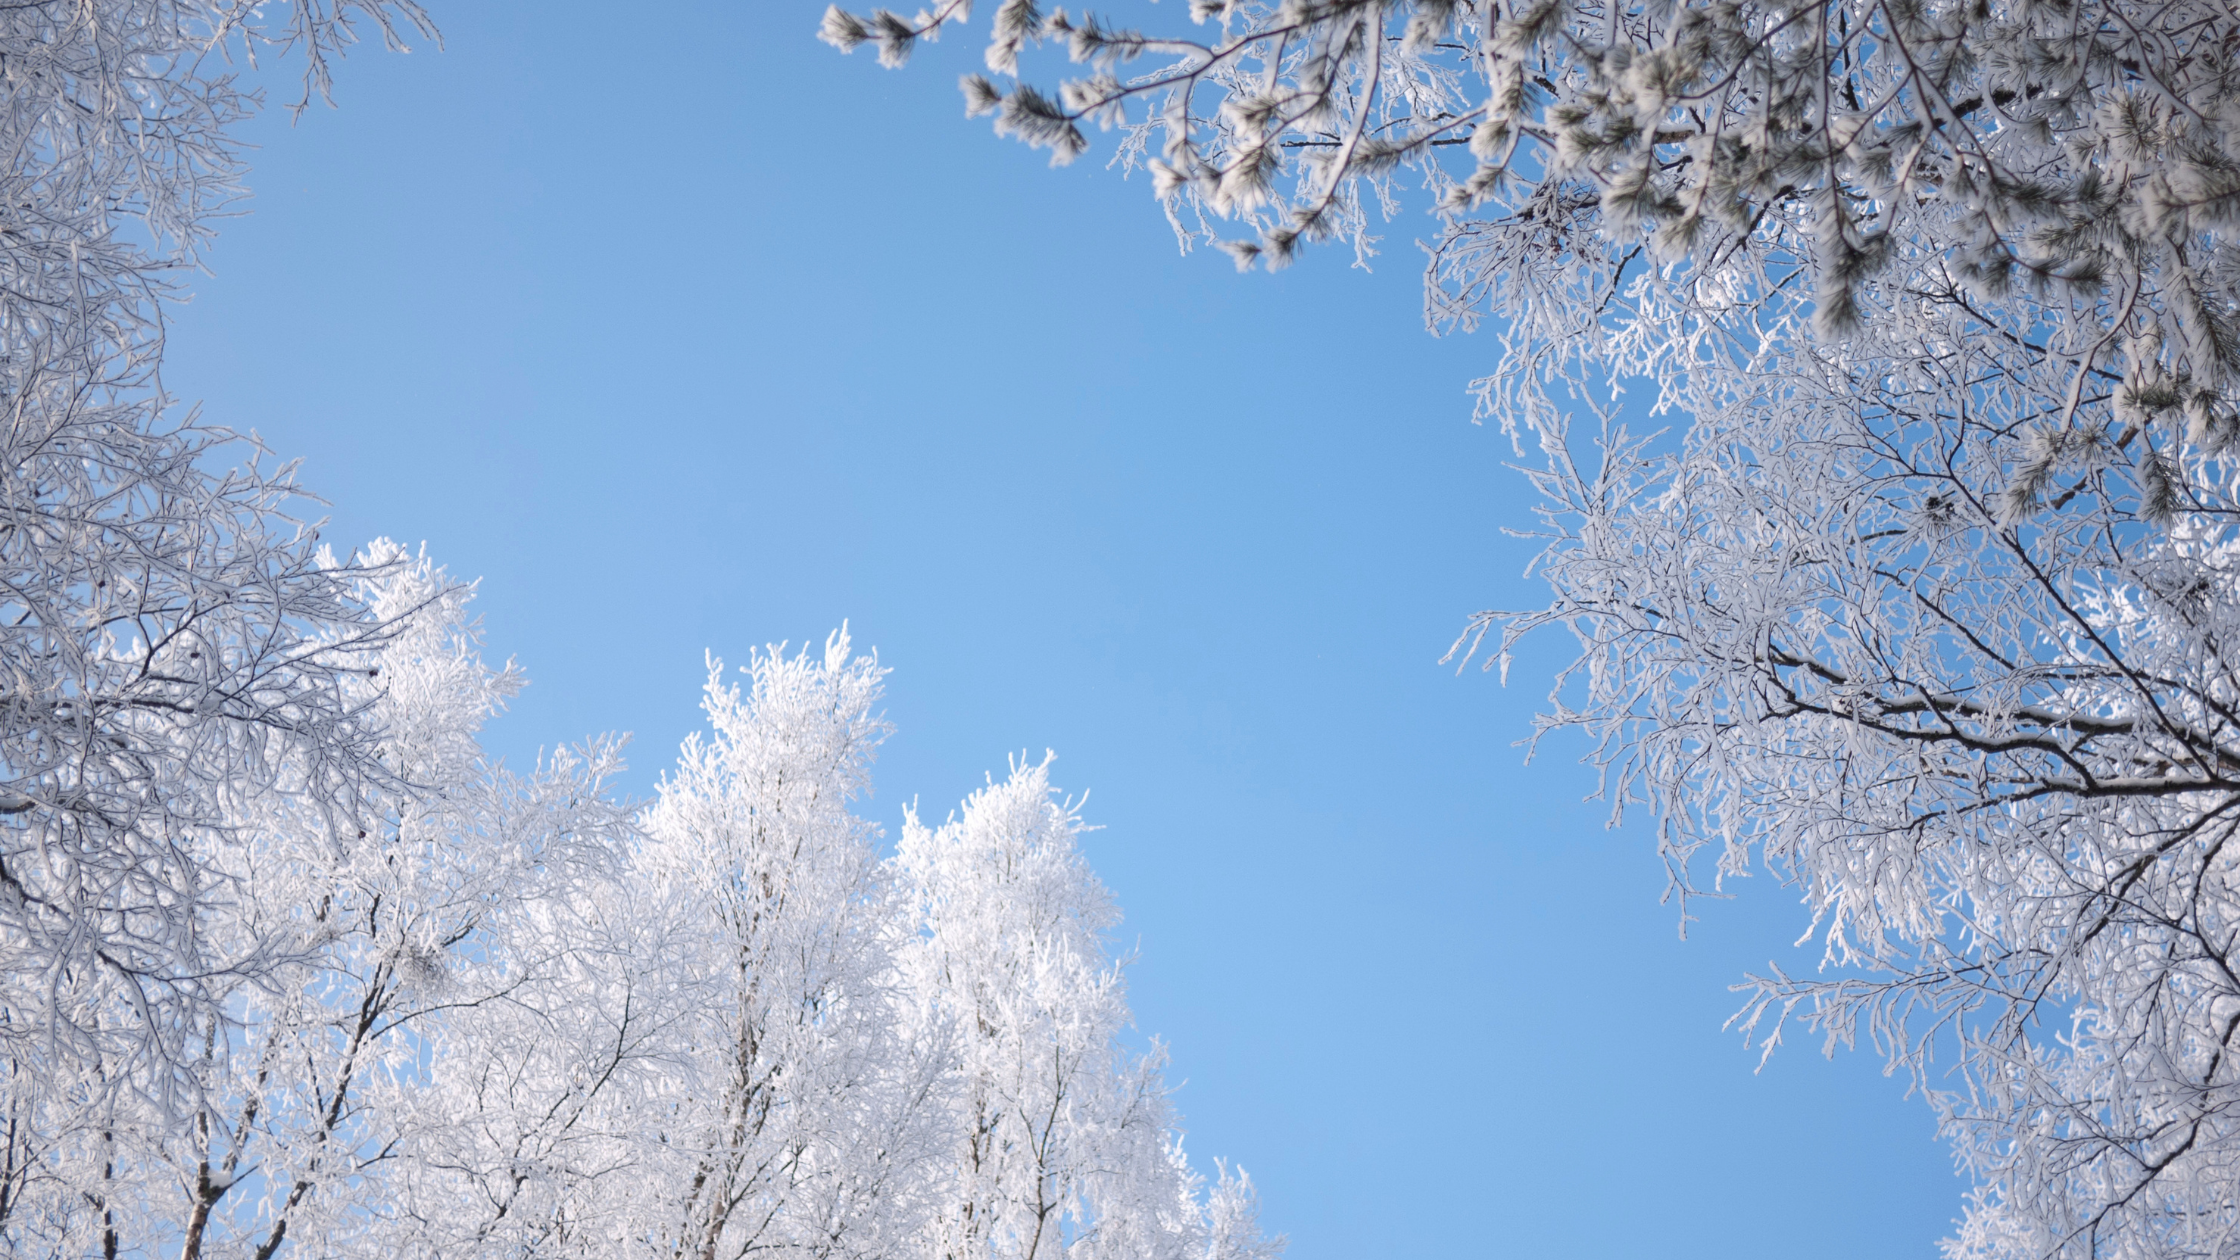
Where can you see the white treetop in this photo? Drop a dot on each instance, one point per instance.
(1063, 1139)
(807, 1115)
(1928, 603)
(305, 1068)
(427, 915)
(920, 1055)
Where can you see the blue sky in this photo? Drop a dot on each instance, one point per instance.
(685, 333)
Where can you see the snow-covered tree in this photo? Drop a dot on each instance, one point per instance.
(1063, 1140)
(175, 659)
(921, 1055)
(1928, 603)
(809, 1102)
(752, 1034)
(543, 1120)
(311, 1072)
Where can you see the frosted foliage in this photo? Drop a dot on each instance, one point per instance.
(310, 1073)
(512, 1016)
(1927, 603)
(762, 1038)
(175, 657)
(808, 1107)
(1066, 1143)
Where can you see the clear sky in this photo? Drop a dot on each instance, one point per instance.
(685, 333)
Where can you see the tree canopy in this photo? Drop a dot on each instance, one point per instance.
(173, 643)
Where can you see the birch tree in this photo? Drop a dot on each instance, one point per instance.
(546, 1119)
(810, 1102)
(920, 1055)
(747, 1032)
(312, 1072)
(1924, 602)
(175, 657)
(1064, 1141)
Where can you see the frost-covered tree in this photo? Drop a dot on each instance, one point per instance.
(811, 1101)
(921, 1055)
(542, 1130)
(509, 1015)
(175, 658)
(1928, 601)
(750, 1033)
(312, 1071)
(1063, 1139)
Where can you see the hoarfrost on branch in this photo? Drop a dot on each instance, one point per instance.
(177, 656)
